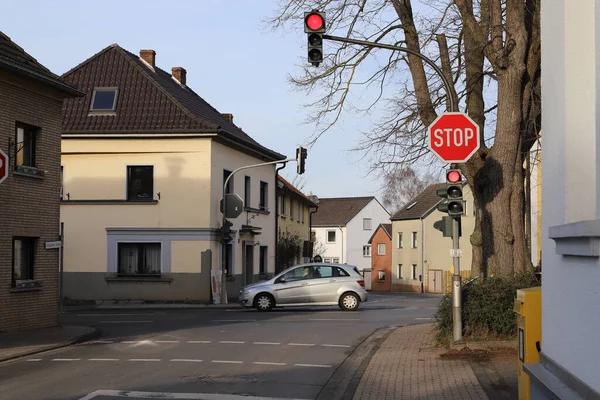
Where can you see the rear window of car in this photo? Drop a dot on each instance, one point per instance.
(341, 272)
(356, 270)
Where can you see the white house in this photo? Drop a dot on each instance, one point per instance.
(344, 226)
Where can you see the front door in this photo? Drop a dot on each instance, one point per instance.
(249, 264)
(294, 287)
(435, 281)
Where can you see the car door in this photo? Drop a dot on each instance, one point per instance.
(324, 284)
(294, 287)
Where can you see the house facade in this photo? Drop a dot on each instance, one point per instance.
(420, 252)
(144, 162)
(343, 227)
(381, 258)
(294, 215)
(31, 99)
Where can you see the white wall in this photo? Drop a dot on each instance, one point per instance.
(332, 249)
(570, 81)
(358, 237)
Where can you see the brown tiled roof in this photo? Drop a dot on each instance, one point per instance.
(15, 59)
(296, 191)
(338, 211)
(149, 101)
(387, 228)
(422, 204)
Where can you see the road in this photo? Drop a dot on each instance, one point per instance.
(287, 353)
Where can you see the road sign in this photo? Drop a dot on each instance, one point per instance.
(53, 245)
(453, 137)
(235, 205)
(3, 166)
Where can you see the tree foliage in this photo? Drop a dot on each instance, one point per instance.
(402, 185)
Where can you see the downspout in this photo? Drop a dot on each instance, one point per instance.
(342, 256)
(316, 208)
(277, 212)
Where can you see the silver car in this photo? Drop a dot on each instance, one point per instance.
(316, 284)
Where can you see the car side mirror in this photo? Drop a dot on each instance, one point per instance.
(281, 279)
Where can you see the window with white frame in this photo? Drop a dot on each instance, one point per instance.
(381, 275)
(414, 240)
(302, 213)
(399, 271)
(414, 271)
(282, 206)
(399, 240)
(291, 208)
(139, 258)
(300, 206)
(330, 236)
(335, 260)
(381, 249)
(140, 183)
(263, 203)
(367, 224)
(367, 251)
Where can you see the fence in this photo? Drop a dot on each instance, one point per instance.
(465, 274)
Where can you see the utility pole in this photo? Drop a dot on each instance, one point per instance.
(456, 284)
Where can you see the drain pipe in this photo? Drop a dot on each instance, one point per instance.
(342, 256)
(310, 213)
(277, 212)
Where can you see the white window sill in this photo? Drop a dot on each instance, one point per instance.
(580, 239)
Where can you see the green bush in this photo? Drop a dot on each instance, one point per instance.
(487, 308)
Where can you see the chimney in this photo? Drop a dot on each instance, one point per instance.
(179, 74)
(149, 56)
(228, 117)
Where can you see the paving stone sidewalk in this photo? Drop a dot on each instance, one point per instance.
(407, 367)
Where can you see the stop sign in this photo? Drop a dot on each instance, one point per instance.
(453, 137)
(3, 166)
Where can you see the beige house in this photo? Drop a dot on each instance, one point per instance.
(144, 163)
(420, 254)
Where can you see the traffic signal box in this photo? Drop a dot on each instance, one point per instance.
(528, 307)
(453, 204)
(314, 26)
(301, 154)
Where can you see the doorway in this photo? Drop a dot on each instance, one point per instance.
(436, 281)
(248, 264)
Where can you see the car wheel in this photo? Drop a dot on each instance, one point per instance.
(264, 302)
(349, 302)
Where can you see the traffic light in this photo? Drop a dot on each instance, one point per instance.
(444, 225)
(453, 192)
(314, 26)
(301, 154)
(226, 235)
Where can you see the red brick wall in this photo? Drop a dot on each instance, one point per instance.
(30, 207)
(381, 262)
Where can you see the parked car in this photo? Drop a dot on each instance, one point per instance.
(315, 284)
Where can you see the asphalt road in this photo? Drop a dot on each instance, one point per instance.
(190, 353)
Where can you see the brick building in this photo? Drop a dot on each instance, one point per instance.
(381, 258)
(31, 99)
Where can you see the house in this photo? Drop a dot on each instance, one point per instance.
(145, 160)
(294, 211)
(381, 258)
(31, 99)
(343, 227)
(420, 252)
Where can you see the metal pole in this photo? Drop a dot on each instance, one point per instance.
(404, 49)
(61, 256)
(456, 292)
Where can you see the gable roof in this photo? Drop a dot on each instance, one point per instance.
(295, 190)
(13, 58)
(339, 211)
(421, 205)
(149, 101)
(387, 228)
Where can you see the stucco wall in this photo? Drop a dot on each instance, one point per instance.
(359, 237)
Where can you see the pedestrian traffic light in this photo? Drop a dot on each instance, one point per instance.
(314, 26)
(453, 193)
(226, 235)
(301, 154)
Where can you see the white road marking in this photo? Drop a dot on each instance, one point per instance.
(34, 359)
(144, 359)
(411, 308)
(431, 308)
(233, 320)
(313, 365)
(116, 315)
(166, 341)
(300, 344)
(102, 341)
(199, 341)
(268, 363)
(273, 343)
(125, 322)
(425, 318)
(231, 342)
(185, 360)
(335, 345)
(172, 396)
(66, 359)
(334, 319)
(129, 341)
(227, 362)
(103, 359)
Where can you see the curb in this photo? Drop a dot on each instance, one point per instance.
(96, 333)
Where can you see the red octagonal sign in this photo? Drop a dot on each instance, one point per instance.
(453, 137)
(3, 166)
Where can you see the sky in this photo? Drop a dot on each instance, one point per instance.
(232, 60)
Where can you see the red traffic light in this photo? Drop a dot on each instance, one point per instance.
(314, 21)
(453, 176)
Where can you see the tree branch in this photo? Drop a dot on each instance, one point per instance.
(447, 68)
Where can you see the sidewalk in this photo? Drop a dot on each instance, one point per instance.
(132, 304)
(23, 343)
(407, 367)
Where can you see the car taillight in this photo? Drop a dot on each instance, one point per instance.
(361, 283)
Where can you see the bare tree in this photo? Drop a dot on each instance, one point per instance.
(289, 249)
(488, 49)
(402, 185)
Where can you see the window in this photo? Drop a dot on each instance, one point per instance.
(366, 224)
(381, 249)
(298, 274)
(330, 236)
(335, 260)
(229, 189)
(282, 207)
(263, 259)
(139, 258)
(327, 260)
(313, 236)
(367, 251)
(381, 275)
(291, 208)
(23, 258)
(264, 195)
(62, 182)
(247, 185)
(25, 144)
(340, 272)
(414, 240)
(300, 209)
(228, 256)
(414, 271)
(399, 271)
(399, 240)
(140, 182)
(322, 272)
(104, 99)
(302, 213)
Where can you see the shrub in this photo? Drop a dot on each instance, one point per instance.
(487, 308)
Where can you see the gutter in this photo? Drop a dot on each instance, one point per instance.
(316, 208)
(342, 256)
(277, 212)
(55, 83)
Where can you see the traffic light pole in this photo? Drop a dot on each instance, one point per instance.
(432, 64)
(456, 284)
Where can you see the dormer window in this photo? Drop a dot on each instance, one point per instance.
(104, 99)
